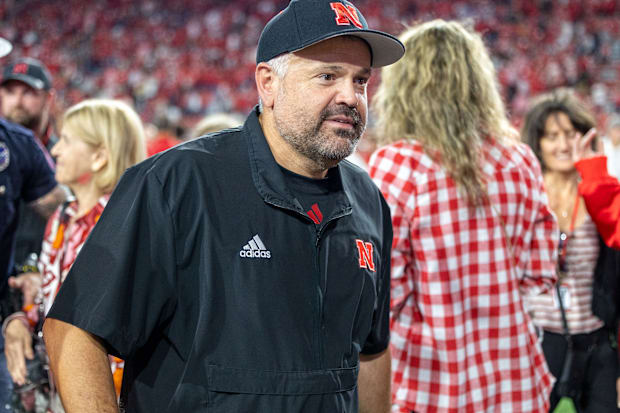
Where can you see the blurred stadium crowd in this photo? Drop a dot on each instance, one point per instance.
(178, 60)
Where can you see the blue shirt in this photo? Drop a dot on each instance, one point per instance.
(24, 175)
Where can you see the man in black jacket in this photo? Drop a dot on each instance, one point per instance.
(248, 270)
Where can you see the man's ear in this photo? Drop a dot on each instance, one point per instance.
(266, 84)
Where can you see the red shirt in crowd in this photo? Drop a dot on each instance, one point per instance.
(601, 192)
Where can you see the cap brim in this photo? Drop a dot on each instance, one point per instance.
(5, 47)
(386, 49)
(33, 82)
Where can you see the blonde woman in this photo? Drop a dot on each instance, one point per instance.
(98, 141)
(472, 230)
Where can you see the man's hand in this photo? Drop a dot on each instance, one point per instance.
(582, 146)
(30, 285)
(17, 347)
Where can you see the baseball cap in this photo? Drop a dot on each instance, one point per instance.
(5, 47)
(30, 71)
(306, 22)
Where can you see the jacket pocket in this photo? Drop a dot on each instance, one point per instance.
(266, 391)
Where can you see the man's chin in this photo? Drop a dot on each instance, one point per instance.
(25, 121)
(337, 154)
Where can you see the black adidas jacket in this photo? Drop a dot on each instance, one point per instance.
(210, 280)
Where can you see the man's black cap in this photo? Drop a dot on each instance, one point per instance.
(30, 71)
(306, 22)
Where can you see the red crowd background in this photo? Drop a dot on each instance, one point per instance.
(178, 60)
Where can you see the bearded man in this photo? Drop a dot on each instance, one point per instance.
(247, 270)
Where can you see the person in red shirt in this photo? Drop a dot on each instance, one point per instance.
(99, 140)
(600, 190)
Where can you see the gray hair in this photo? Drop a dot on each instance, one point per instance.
(279, 65)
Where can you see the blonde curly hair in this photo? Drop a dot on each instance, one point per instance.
(444, 94)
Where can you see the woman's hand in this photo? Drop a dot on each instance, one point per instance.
(582, 146)
(17, 347)
(29, 283)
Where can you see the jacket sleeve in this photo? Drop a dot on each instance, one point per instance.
(601, 193)
(388, 174)
(38, 174)
(122, 285)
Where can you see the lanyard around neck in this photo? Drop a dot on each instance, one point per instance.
(564, 237)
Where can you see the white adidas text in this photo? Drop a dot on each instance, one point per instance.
(255, 249)
(255, 254)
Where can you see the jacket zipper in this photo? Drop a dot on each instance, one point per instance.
(320, 292)
(319, 319)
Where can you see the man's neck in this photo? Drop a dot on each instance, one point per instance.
(285, 155)
(42, 133)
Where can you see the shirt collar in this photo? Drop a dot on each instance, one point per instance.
(92, 216)
(268, 178)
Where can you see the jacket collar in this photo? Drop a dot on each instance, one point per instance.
(267, 176)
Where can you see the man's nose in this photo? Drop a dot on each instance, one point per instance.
(19, 98)
(347, 94)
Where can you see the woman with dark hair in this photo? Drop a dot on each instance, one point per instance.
(583, 311)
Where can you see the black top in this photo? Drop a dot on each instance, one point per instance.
(24, 175)
(606, 287)
(208, 277)
(314, 195)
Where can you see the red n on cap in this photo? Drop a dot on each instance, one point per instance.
(345, 15)
(21, 68)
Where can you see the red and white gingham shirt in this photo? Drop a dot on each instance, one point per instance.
(461, 339)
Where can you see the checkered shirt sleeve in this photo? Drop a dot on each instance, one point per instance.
(461, 339)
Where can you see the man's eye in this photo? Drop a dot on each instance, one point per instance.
(362, 81)
(326, 76)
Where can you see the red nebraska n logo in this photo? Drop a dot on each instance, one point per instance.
(345, 15)
(365, 251)
(20, 68)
